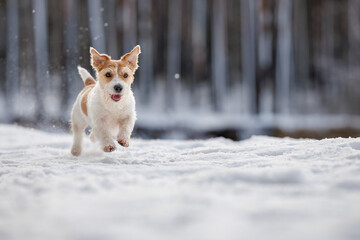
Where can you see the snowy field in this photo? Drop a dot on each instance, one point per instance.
(260, 188)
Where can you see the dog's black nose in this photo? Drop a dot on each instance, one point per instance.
(118, 88)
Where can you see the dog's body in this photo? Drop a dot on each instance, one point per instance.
(108, 104)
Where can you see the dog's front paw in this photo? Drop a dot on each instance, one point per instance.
(123, 142)
(76, 151)
(109, 148)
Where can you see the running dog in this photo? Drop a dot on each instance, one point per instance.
(106, 104)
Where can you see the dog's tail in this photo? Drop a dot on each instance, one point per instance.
(86, 76)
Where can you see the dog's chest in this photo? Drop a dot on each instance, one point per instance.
(114, 119)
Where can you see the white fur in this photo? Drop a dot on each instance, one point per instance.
(84, 73)
(108, 119)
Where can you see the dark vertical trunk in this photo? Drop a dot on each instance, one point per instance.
(56, 52)
(74, 83)
(110, 28)
(84, 37)
(26, 61)
(248, 50)
(327, 54)
(173, 51)
(160, 12)
(219, 54)
(199, 52)
(264, 72)
(301, 52)
(353, 89)
(284, 57)
(12, 56)
(129, 25)
(186, 47)
(2, 58)
(41, 57)
(146, 72)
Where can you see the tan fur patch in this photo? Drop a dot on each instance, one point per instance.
(84, 98)
(89, 81)
(123, 68)
(108, 64)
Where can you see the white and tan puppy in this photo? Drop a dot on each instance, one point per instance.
(106, 104)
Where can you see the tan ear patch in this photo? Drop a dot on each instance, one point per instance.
(132, 58)
(98, 60)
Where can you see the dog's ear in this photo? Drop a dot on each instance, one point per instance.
(98, 60)
(131, 58)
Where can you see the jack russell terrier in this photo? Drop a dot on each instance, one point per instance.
(106, 104)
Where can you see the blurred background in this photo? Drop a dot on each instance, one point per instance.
(208, 68)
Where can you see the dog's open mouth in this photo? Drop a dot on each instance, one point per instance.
(116, 97)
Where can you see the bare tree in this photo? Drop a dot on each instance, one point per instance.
(248, 51)
(145, 37)
(199, 8)
(219, 54)
(284, 57)
(41, 56)
(96, 25)
(71, 50)
(173, 51)
(129, 17)
(110, 28)
(12, 55)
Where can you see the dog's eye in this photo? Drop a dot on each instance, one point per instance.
(108, 75)
(125, 75)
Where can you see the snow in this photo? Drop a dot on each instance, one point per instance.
(260, 188)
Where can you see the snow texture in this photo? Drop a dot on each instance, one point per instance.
(260, 188)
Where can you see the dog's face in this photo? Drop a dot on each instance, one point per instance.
(115, 76)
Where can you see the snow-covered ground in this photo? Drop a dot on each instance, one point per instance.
(260, 188)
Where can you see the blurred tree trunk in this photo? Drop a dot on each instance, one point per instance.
(248, 51)
(56, 51)
(284, 57)
(199, 54)
(353, 86)
(129, 25)
(26, 61)
(301, 53)
(96, 25)
(145, 38)
(219, 54)
(160, 12)
(12, 56)
(74, 84)
(84, 37)
(110, 28)
(186, 48)
(2, 58)
(173, 51)
(41, 58)
(264, 73)
(327, 53)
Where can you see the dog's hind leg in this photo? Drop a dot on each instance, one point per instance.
(78, 125)
(78, 132)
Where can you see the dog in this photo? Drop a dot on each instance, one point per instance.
(106, 104)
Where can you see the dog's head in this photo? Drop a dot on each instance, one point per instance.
(115, 76)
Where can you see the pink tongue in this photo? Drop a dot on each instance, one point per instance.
(116, 97)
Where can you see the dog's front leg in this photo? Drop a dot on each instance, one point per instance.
(105, 138)
(125, 129)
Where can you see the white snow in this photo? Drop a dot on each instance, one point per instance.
(260, 188)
